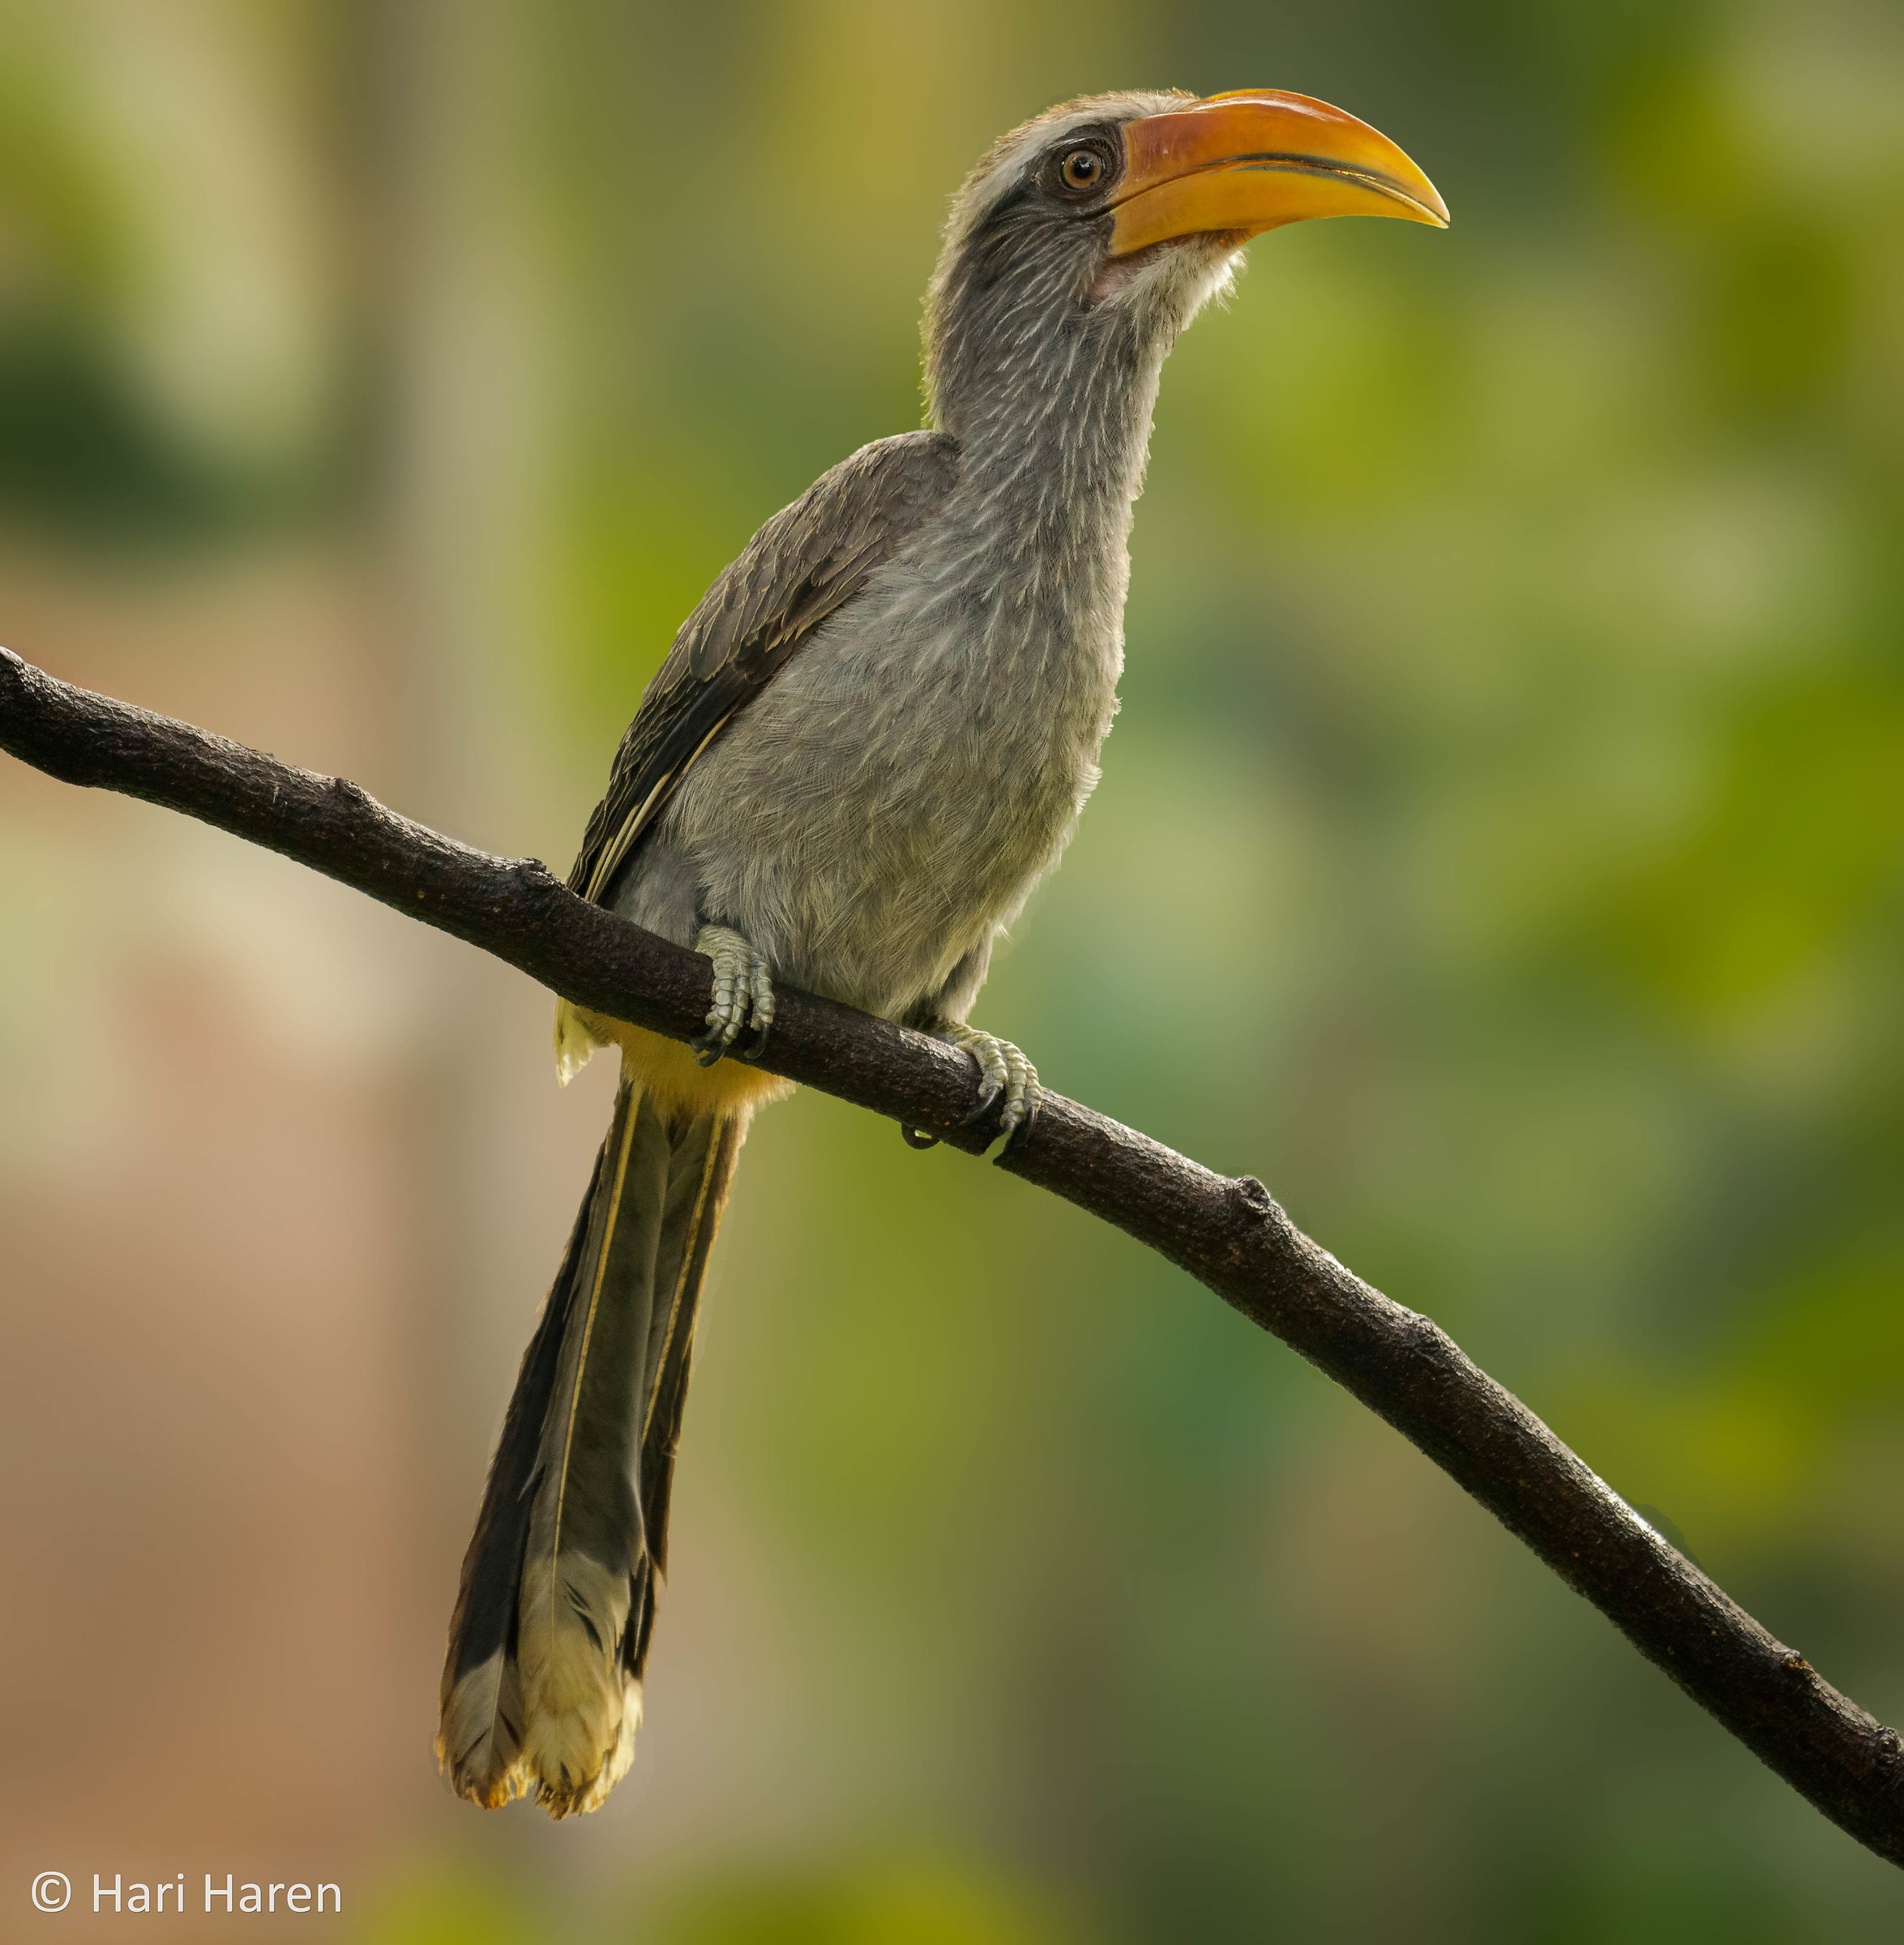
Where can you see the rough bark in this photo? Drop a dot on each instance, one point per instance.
(1230, 1235)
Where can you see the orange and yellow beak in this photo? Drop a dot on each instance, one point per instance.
(1238, 164)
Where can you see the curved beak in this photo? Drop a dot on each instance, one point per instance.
(1238, 164)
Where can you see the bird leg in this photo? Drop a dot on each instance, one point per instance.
(743, 994)
(1002, 1071)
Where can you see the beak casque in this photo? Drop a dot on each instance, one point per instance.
(1239, 163)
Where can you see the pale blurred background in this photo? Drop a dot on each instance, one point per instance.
(1515, 688)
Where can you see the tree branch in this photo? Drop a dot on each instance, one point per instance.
(1230, 1235)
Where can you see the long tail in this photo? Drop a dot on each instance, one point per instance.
(541, 1689)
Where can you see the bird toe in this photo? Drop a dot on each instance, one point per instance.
(1007, 1083)
(742, 996)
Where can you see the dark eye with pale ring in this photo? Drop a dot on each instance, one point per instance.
(1081, 170)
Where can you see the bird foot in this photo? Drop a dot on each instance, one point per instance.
(743, 995)
(1002, 1072)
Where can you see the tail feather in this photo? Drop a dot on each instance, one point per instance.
(541, 1688)
(479, 1743)
(671, 1358)
(684, 1267)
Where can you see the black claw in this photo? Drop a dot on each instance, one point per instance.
(988, 1098)
(758, 1046)
(913, 1137)
(1021, 1133)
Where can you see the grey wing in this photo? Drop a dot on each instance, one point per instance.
(807, 561)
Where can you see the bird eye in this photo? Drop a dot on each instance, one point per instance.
(1083, 169)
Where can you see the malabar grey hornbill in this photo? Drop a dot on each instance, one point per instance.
(867, 744)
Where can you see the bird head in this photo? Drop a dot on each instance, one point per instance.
(1091, 236)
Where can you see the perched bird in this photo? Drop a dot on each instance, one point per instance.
(867, 744)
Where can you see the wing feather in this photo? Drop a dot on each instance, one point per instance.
(805, 563)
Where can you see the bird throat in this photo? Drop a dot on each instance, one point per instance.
(1052, 457)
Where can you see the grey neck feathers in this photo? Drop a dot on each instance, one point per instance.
(1050, 396)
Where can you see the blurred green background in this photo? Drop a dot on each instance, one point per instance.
(1514, 689)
